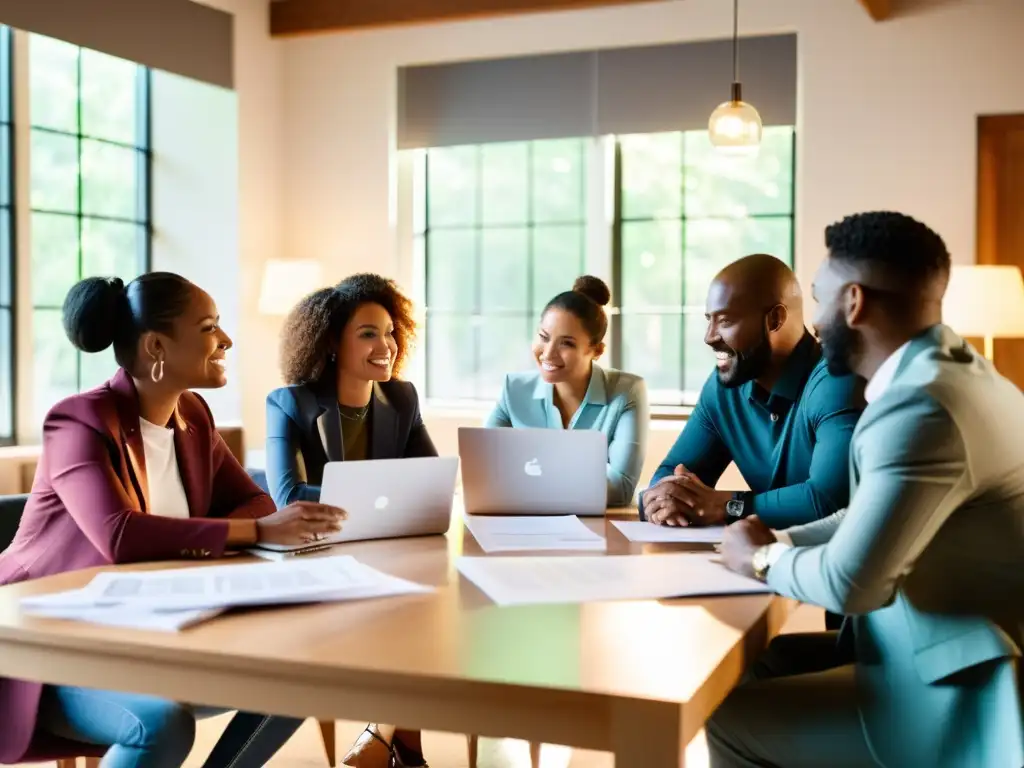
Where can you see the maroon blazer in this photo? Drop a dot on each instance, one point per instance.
(88, 508)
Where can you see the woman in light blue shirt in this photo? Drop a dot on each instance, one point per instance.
(570, 391)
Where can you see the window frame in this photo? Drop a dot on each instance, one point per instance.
(602, 172)
(478, 314)
(142, 146)
(687, 398)
(9, 249)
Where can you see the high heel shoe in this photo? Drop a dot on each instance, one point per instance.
(371, 750)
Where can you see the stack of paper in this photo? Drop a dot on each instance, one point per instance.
(518, 534)
(173, 599)
(530, 580)
(650, 533)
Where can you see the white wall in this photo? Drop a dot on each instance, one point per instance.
(195, 203)
(260, 144)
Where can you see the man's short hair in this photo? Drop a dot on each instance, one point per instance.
(900, 253)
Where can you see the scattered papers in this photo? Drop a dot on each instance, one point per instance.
(532, 580)
(126, 616)
(519, 534)
(176, 598)
(650, 533)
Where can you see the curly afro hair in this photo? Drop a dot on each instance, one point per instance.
(312, 330)
(896, 242)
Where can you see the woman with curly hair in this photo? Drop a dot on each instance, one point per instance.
(341, 351)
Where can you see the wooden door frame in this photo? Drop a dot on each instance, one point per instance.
(992, 129)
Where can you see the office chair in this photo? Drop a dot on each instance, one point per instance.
(11, 508)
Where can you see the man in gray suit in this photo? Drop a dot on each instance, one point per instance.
(926, 562)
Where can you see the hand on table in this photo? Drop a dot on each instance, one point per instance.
(301, 522)
(739, 542)
(681, 499)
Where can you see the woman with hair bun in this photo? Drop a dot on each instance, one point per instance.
(570, 391)
(135, 471)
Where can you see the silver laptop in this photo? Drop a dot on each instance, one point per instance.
(533, 471)
(387, 498)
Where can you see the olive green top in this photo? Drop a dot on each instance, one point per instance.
(354, 434)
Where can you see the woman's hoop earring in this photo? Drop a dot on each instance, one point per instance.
(156, 373)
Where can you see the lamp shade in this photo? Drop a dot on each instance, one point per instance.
(985, 301)
(285, 282)
(735, 128)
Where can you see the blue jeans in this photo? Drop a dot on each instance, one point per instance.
(147, 732)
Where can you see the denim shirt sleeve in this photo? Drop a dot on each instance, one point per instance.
(500, 417)
(627, 446)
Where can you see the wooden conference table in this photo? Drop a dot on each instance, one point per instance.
(637, 679)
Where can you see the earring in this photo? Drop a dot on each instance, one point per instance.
(156, 373)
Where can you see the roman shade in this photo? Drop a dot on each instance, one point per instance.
(177, 36)
(612, 91)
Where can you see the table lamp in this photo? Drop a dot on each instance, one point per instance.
(286, 282)
(985, 301)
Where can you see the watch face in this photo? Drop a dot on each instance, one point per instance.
(734, 508)
(760, 562)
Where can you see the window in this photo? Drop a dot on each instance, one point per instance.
(502, 228)
(7, 348)
(90, 164)
(684, 212)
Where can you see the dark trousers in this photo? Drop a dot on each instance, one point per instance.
(796, 708)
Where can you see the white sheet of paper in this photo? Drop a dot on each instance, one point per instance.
(526, 533)
(649, 533)
(127, 617)
(269, 583)
(532, 580)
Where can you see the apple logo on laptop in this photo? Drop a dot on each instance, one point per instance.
(532, 468)
(381, 502)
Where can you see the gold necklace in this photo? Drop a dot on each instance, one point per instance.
(359, 416)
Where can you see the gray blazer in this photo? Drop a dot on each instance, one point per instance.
(304, 433)
(928, 561)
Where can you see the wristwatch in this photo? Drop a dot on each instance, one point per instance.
(760, 563)
(736, 506)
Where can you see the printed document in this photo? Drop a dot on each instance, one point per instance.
(524, 533)
(649, 533)
(128, 617)
(225, 586)
(531, 580)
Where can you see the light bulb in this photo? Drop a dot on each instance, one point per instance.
(735, 126)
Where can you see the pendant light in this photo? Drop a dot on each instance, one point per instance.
(735, 126)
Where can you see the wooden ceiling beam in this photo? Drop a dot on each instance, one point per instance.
(879, 10)
(298, 17)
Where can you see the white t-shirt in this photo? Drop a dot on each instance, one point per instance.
(166, 492)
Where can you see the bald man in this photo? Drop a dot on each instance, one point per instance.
(771, 407)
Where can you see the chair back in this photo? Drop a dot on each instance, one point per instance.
(11, 509)
(259, 477)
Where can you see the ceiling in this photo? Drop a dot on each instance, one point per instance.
(299, 17)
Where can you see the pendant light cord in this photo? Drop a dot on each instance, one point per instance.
(735, 40)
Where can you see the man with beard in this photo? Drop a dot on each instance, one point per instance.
(771, 407)
(925, 561)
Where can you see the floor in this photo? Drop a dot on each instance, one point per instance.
(443, 750)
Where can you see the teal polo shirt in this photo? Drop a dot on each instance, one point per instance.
(791, 445)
